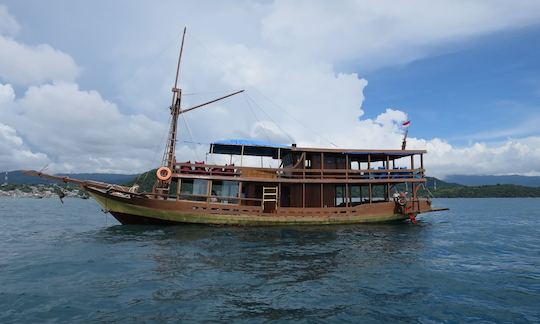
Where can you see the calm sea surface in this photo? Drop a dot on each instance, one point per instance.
(479, 262)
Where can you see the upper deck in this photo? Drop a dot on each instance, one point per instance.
(309, 165)
(278, 151)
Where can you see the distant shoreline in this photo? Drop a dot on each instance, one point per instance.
(435, 187)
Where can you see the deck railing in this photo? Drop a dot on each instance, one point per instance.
(297, 173)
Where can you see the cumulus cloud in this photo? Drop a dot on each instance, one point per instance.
(79, 130)
(15, 153)
(8, 24)
(22, 64)
(296, 60)
(520, 156)
(377, 33)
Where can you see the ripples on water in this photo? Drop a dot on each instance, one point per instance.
(478, 262)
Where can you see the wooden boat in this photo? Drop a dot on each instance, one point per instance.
(310, 186)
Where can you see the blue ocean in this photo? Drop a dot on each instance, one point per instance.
(478, 262)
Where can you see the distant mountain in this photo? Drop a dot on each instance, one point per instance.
(17, 177)
(436, 187)
(482, 180)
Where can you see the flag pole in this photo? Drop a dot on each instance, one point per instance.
(406, 125)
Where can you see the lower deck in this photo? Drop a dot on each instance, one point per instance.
(144, 210)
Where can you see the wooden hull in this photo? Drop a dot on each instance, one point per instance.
(153, 211)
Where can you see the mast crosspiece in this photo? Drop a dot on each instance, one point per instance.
(176, 109)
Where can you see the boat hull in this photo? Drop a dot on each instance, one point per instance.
(167, 212)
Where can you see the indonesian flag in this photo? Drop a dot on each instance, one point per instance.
(406, 123)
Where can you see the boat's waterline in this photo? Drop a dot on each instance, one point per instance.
(128, 211)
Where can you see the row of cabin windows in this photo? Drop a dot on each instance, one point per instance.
(313, 161)
(227, 192)
(222, 191)
(354, 165)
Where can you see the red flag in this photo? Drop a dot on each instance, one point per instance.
(406, 124)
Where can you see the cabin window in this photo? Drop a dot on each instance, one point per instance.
(355, 165)
(225, 192)
(196, 189)
(340, 196)
(355, 192)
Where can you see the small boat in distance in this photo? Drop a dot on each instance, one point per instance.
(311, 186)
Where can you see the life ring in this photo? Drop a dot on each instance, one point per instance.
(164, 173)
(401, 200)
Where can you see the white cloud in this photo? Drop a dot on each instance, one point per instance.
(520, 156)
(8, 24)
(7, 94)
(24, 65)
(14, 154)
(80, 131)
(295, 53)
(378, 33)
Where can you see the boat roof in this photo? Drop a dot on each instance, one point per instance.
(250, 147)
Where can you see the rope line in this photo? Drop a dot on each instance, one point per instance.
(270, 117)
(256, 118)
(294, 118)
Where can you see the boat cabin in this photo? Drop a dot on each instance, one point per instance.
(300, 177)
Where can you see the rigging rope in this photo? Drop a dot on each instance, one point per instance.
(256, 118)
(155, 155)
(271, 119)
(220, 61)
(292, 117)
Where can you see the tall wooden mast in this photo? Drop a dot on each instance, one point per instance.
(168, 156)
(168, 161)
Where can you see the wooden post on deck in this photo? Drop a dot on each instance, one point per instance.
(209, 191)
(303, 195)
(347, 180)
(369, 177)
(322, 176)
(240, 193)
(242, 156)
(278, 203)
(389, 175)
(422, 163)
(178, 184)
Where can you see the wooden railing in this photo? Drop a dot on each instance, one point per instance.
(296, 173)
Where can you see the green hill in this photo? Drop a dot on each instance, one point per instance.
(145, 180)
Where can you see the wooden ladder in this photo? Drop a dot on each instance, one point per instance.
(270, 194)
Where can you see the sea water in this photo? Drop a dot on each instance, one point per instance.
(478, 262)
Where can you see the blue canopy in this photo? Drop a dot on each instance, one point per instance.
(250, 142)
(250, 147)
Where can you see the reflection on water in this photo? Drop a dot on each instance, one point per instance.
(276, 272)
(70, 264)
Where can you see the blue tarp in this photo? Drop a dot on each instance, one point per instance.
(250, 142)
(390, 153)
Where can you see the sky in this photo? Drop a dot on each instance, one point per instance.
(85, 86)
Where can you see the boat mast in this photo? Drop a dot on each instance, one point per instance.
(162, 186)
(169, 155)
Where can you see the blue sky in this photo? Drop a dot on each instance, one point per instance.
(475, 92)
(84, 86)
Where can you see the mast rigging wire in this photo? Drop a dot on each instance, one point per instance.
(220, 61)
